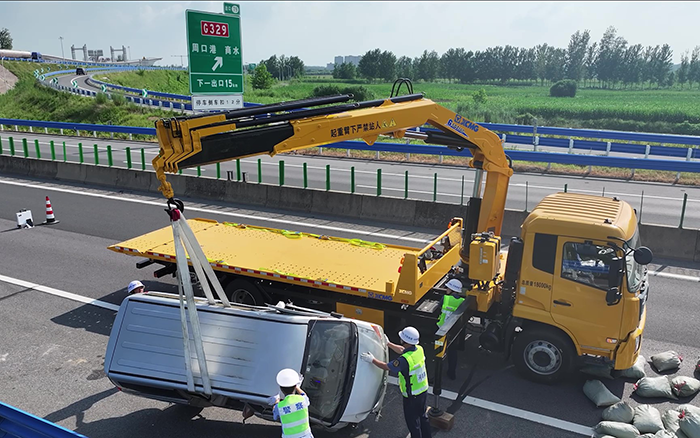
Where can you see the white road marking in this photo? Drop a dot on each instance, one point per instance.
(513, 412)
(675, 276)
(59, 293)
(116, 196)
(472, 401)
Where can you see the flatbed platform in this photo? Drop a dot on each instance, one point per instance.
(352, 266)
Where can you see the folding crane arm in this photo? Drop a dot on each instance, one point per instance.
(187, 142)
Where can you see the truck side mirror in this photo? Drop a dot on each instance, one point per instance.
(643, 255)
(614, 279)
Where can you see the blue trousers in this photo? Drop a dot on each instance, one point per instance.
(414, 411)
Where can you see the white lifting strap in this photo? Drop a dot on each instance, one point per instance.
(183, 238)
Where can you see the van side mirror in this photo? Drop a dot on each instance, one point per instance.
(643, 255)
(614, 279)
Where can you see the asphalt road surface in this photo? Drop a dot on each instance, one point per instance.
(52, 347)
(656, 203)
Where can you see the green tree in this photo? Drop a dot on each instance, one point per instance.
(694, 66)
(345, 70)
(610, 54)
(369, 64)
(427, 66)
(404, 67)
(684, 69)
(661, 64)
(449, 63)
(5, 39)
(262, 79)
(576, 54)
(273, 66)
(387, 66)
(296, 66)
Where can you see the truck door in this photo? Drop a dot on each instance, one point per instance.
(578, 294)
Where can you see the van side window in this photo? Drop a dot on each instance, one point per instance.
(587, 263)
(544, 252)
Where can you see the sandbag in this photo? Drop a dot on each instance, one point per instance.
(690, 425)
(621, 412)
(689, 408)
(599, 394)
(668, 360)
(601, 371)
(684, 386)
(636, 371)
(671, 420)
(616, 429)
(654, 387)
(647, 419)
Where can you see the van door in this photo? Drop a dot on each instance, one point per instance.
(578, 296)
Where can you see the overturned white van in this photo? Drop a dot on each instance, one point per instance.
(245, 347)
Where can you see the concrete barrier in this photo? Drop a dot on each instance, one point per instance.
(671, 242)
(664, 241)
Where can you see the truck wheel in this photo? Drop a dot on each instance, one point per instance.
(244, 292)
(544, 356)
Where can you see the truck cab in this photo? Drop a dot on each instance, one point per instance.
(582, 288)
(245, 347)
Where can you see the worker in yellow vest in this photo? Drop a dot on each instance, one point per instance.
(291, 406)
(413, 380)
(450, 303)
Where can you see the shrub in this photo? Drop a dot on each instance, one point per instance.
(101, 98)
(359, 93)
(262, 79)
(480, 96)
(565, 88)
(326, 90)
(524, 119)
(118, 99)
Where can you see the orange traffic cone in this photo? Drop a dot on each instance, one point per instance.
(50, 218)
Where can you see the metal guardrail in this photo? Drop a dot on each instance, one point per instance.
(516, 155)
(15, 423)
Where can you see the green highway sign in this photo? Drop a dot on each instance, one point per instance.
(214, 53)
(252, 66)
(144, 93)
(74, 83)
(43, 77)
(232, 8)
(104, 88)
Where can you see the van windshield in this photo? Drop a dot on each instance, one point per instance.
(635, 271)
(327, 365)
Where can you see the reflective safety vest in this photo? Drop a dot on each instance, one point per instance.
(416, 372)
(294, 417)
(449, 305)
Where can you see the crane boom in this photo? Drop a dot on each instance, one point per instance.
(192, 141)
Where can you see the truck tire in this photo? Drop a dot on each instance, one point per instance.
(543, 355)
(244, 292)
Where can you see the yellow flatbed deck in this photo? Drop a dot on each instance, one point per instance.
(342, 265)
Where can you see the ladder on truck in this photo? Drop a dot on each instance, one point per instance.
(185, 240)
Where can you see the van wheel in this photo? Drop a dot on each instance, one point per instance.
(244, 292)
(543, 356)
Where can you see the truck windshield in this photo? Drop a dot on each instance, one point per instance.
(635, 271)
(327, 364)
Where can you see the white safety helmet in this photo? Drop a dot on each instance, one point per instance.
(409, 335)
(454, 285)
(288, 378)
(133, 285)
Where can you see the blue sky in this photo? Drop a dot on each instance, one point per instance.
(317, 31)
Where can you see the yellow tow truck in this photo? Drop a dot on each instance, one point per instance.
(571, 289)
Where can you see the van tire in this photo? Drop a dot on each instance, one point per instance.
(244, 292)
(543, 355)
